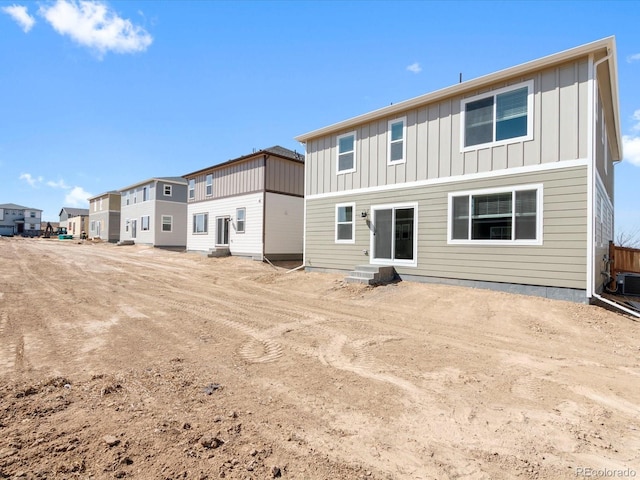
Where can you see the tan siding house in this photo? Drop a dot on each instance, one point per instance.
(104, 216)
(250, 206)
(505, 181)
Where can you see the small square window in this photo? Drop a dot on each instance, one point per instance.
(167, 190)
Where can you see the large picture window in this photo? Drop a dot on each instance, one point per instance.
(345, 226)
(200, 222)
(346, 161)
(497, 216)
(503, 116)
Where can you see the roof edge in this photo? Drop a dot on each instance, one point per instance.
(607, 42)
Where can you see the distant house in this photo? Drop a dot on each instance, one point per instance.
(68, 212)
(154, 212)
(504, 181)
(104, 216)
(18, 220)
(250, 206)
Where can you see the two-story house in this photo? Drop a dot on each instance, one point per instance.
(75, 220)
(250, 206)
(104, 216)
(154, 212)
(19, 220)
(504, 181)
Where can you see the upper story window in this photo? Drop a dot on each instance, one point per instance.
(127, 199)
(145, 194)
(192, 188)
(167, 190)
(500, 117)
(497, 216)
(209, 184)
(397, 134)
(100, 204)
(346, 161)
(32, 214)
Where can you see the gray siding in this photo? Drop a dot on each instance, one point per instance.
(236, 179)
(560, 132)
(284, 176)
(559, 262)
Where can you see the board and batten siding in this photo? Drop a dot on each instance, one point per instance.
(559, 262)
(284, 176)
(248, 243)
(284, 225)
(560, 132)
(235, 179)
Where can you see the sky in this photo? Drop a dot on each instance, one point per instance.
(99, 95)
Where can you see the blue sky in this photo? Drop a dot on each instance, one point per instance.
(99, 95)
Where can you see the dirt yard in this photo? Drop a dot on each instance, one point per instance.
(134, 362)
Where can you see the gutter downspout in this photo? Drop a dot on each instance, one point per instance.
(593, 171)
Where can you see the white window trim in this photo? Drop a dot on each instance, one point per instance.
(400, 263)
(404, 141)
(539, 215)
(206, 227)
(148, 217)
(162, 217)
(355, 149)
(494, 93)
(191, 192)
(244, 220)
(353, 222)
(167, 188)
(207, 185)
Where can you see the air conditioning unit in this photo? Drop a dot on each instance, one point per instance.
(628, 283)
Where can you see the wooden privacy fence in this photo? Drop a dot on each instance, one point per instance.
(623, 259)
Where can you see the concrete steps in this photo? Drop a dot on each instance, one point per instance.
(371, 275)
(125, 242)
(219, 252)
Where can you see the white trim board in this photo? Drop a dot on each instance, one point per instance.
(456, 178)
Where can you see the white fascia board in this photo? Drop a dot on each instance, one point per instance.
(460, 88)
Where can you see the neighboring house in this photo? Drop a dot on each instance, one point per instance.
(18, 220)
(250, 206)
(504, 181)
(154, 212)
(104, 216)
(78, 225)
(67, 212)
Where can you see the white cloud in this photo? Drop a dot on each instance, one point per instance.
(30, 179)
(58, 184)
(631, 149)
(21, 16)
(415, 67)
(633, 58)
(93, 24)
(631, 143)
(77, 197)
